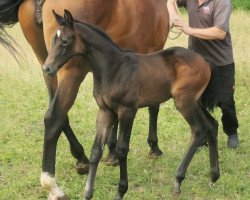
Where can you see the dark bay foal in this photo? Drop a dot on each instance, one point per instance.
(126, 81)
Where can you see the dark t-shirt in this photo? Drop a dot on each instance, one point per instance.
(212, 13)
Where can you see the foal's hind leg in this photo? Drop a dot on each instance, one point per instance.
(112, 141)
(152, 135)
(212, 134)
(191, 113)
(126, 118)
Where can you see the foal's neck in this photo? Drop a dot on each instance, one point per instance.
(102, 54)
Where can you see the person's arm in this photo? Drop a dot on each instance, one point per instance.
(173, 10)
(212, 33)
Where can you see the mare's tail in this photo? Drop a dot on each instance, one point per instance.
(8, 17)
(209, 98)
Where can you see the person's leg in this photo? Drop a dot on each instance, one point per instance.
(227, 105)
(230, 122)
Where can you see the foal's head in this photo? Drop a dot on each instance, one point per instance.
(65, 44)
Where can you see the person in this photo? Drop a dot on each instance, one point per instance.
(209, 35)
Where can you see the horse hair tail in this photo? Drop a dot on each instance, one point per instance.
(209, 98)
(8, 17)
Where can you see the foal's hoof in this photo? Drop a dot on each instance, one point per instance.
(176, 193)
(176, 190)
(211, 184)
(118, 197)
(111, 159)
(82, 168)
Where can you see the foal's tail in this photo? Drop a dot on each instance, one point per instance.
(209, 97)
(8, 17)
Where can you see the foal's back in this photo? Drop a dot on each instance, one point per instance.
(169, 73)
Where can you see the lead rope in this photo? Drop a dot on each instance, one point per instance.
(39, 6)
(177, 32)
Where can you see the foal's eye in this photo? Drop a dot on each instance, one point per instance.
(65, 42)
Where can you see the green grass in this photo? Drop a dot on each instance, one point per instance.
(23, 103)
(241, 4)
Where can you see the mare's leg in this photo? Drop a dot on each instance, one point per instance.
(126, 117)
(192, 114)
(34, 35)
(105, 121)
(112, 141)
(54, 123)
(212, 134)
(76, 149)
(152, 135)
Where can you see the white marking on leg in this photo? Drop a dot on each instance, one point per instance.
(48, 182)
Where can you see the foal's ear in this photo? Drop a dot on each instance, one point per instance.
(68, 18)
(59, 19)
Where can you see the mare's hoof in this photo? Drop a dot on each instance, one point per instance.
(82, 168)
(233, 141)
(155, 153)
(111, 160)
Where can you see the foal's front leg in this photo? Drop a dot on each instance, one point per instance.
(104, 123)
(126, 117)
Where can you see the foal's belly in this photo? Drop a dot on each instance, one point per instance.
(154, 93)
(152, 99)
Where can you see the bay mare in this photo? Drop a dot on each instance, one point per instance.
(141, 26)
(126, 81)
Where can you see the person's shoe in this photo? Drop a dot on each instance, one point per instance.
(233, 141)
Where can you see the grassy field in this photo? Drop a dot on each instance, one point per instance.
(23, 103)
(241, 4)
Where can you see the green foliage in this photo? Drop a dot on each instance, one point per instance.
(241, 4)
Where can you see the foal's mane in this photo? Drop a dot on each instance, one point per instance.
(102, 33)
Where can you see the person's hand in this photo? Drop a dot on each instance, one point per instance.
(173, 19)
(179, 24)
